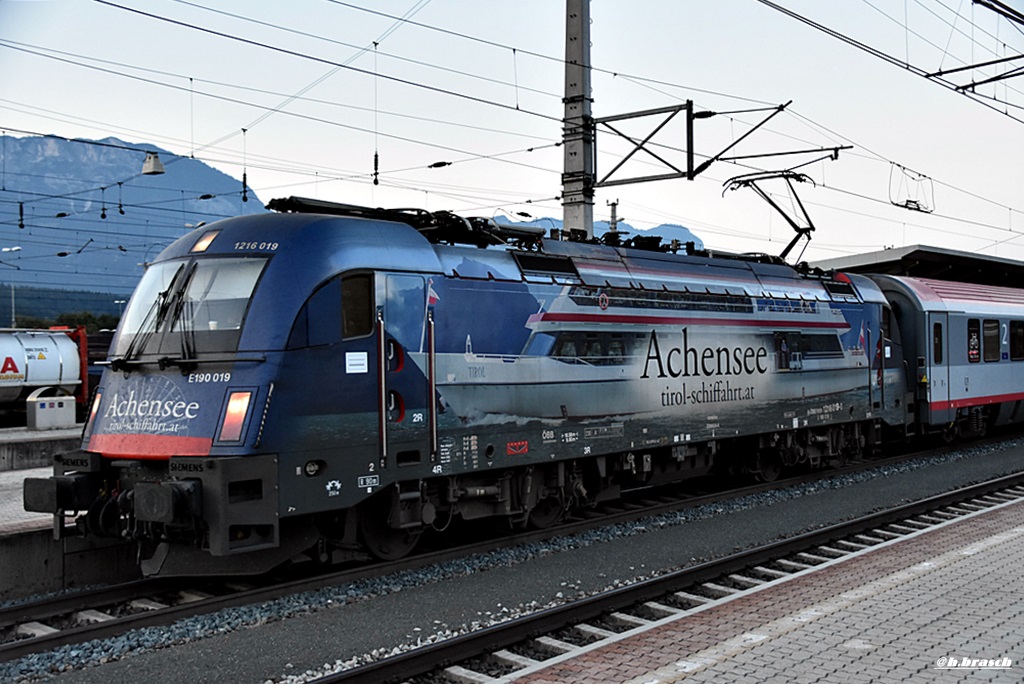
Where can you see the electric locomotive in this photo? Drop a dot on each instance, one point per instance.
(336, 377)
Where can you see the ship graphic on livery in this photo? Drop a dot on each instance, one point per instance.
(626, 352)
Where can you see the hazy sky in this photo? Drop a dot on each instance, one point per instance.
(492, 80)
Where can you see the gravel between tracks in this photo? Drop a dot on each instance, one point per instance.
(296, 638)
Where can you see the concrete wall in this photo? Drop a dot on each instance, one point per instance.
(31, 560)
(23, 449)
(28, 564)
(34, 562)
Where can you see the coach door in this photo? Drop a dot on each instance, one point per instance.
(406, 338)
(934, 376)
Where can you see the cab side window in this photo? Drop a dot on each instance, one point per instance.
(357, 305)
(341, 308)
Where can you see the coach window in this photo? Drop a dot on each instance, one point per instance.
(357, 305)
(937, 343)
(973, 340)
(990, 340)
(1016, 340)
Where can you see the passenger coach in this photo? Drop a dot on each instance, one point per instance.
(966, 346)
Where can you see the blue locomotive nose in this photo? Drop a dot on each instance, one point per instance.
(158, 415)
(180, 382)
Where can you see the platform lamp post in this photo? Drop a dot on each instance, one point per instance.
(8, 250)
(120, 307)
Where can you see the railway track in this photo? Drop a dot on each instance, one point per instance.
(507, 651)
(105, 612)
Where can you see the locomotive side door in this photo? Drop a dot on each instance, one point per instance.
(405, 338)
(935, 375)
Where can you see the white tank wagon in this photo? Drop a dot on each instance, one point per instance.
(30, 359)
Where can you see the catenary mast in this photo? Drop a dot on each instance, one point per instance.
(578, 174)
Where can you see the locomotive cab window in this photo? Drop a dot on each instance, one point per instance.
(990, 340)
(357, 309)
(188, 307)
(216, 294)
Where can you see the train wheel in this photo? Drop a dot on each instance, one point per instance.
(769, 465)
(388, 544)
(379, 538)
(547, 513)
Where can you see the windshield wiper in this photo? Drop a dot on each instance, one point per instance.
(184, 304)
(150, 324)
(188, 330)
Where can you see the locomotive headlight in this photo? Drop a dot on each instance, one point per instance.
(234, 417)
(204, 242)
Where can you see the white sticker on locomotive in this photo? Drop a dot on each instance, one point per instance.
(369, 481)
(357, 362)
(333, 488)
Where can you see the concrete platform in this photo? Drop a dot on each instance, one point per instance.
(13, 516)
(28, 453)
(22, 448)
(31, 561)
(944, 605)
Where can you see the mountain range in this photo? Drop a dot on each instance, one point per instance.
(79, 220)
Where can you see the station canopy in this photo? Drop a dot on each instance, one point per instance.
(932, 262)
